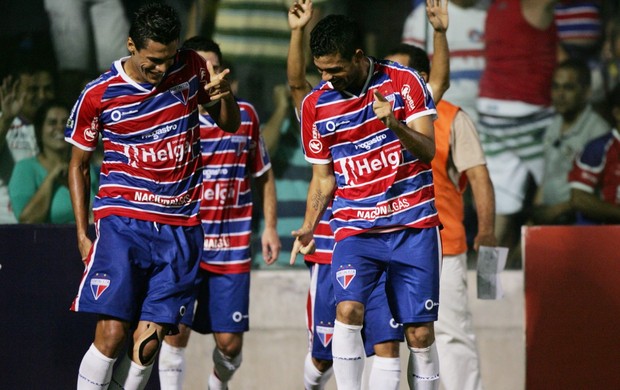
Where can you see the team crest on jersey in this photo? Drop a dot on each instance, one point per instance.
(325, 334)
(239, 142)
(181, 92)
(90, 133)
(345, 275)
(99, 284)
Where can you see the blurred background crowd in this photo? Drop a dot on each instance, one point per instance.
(538, 77)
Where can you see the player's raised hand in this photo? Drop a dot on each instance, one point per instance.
(299, 14)
(437, 12)
(383, 109)
(304, 243)
(218, 86)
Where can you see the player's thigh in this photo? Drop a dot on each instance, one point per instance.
(412, 284)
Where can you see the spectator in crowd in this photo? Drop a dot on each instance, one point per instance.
(222, 306)
(574, 124)
(515, 107)
(466, 40)
(21, 95)
(38, 188)
(594, 179)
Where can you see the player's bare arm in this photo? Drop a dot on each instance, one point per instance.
(418, 137)
(320, 193)
(79, 188)
(270, 241)
(439, 78)
(226, 114)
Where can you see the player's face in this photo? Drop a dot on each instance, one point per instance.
(150, 63)
(341, 73)
(567, 94)
(53, 129)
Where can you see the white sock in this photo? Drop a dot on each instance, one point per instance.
(171, 367)
(313, 378)
(423, 369)
(130, 375)
(384, 374)
(223, 369)
(95, 370)
(348, 353)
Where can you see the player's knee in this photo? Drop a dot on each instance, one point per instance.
(420, 335)
(322, 365)
(146, 344)
(230, 344)
(388, 349)
(181, 339)
(350, 312)
(110, 336)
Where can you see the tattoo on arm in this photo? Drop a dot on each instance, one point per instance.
(319, 200)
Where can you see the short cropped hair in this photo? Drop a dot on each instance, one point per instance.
(203, 44)
(580, 67)
(335, 34)
(156, 21)
(418, 58)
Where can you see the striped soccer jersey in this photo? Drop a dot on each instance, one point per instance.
(379, 185)
(226, 207)
(151, 168)
(597, 169)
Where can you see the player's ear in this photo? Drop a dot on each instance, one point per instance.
(131, 46)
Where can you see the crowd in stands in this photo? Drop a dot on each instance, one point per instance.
(540, 79)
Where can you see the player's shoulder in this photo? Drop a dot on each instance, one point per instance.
(594, 152)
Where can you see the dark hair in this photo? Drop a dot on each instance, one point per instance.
(39, 119)
(156, 21)
(335, 34)
(418, 58)
(584, 76)
(203, 44)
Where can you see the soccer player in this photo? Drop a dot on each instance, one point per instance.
(367, 129)
(142, 266)
(226, 214)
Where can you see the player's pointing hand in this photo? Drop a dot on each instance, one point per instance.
(383, 109)
(218, 86)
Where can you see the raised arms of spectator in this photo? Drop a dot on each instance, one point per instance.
(439, 78)
(300, 14)
(11, 103)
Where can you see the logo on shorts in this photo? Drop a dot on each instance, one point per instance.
(182, 310)
(429, 304)
(99, 284)
(238, 316)
(345, 275)
(325, 334)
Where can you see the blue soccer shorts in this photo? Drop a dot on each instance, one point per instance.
(411, 259)
(379, 326)
(222, 304)
(140, 270)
